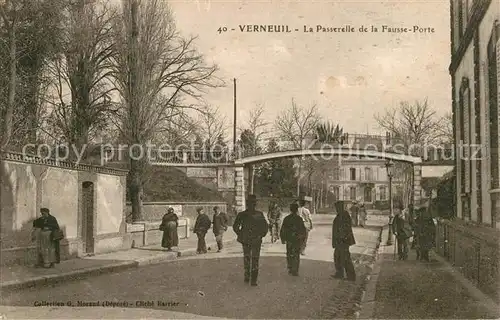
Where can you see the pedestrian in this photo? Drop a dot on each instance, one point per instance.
(305, 214)
(219, 227)
(426, 234)
(201, 227)
(169, 224)
(342, 239)
(402, 230)
(292, 234)
(251, 226)
(46, 233)
(354, 213)
(362, 215)
(274, 218)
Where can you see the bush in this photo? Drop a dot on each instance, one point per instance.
(382, 205)
(444, 203)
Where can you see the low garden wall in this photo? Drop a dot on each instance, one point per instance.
(147, 233)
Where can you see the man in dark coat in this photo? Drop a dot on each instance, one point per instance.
(201, 227)
(293, 233)
(219, 227)
(342, 239)
(48, 222)
(251, 226)
(403, 231)
(425, 234)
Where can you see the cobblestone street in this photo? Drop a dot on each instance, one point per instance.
(212, 285)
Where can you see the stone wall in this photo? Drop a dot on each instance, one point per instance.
(30, 183)
(474, 251)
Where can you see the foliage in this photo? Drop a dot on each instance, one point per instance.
(326, 132)
(444, 203)
(82, 104)
(29, 35)
(276, 177)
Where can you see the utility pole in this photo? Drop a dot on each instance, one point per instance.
(234, 118)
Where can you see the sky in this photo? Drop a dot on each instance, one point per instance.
(350, 76)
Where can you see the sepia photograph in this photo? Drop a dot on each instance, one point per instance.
(249, 159)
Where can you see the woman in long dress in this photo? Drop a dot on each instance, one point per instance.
(43, 234)
(169, 226)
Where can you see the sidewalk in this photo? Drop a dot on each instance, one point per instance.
(19, 276)
(421, 290)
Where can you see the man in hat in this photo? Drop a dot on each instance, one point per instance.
(292, 233)
(305, 214)
(251, 226)
(219, 227)
(342, 239)
(201, 227)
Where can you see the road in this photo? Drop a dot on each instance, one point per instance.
(208, 285)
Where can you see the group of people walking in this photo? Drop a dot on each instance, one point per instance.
(170, 223)
(416, 223)
(251, 227)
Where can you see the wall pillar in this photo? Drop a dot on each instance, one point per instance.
(417, 187)
(239, 188)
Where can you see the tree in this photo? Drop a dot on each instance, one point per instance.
(326, 132)
(212, 126)
(156, 72)
(29, 36)
(251, 137)
(82, 72)
(10, 13)
(445, 130)
(256, 124)
(296, 125)
(414, 127)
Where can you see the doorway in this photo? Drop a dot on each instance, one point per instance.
(88, 216)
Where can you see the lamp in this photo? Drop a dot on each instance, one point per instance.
(389, 166)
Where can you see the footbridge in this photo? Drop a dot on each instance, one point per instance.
(232, 168)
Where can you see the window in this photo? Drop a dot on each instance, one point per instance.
(493, 115)
(465, 134)
(353, 173)
(352, 193)
(368, 174)
(461, 14)
(336, 192)
(368, 194)
(383, 193)
(493, 106)
(336, 174)
(476, 152)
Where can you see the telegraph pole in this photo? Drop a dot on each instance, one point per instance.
(234, 117)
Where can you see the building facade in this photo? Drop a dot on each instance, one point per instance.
(475, 51)
(363, 180)
(471, 242)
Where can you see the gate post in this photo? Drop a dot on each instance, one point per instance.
(417, 187)
(239, 187)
